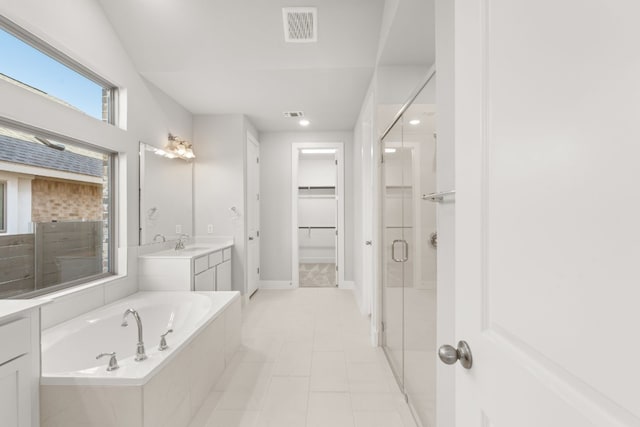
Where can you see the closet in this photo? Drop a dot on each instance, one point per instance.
(317, 218)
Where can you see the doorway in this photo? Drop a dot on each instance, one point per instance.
(409, 244)
(317, 215)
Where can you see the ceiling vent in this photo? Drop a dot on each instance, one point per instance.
(293, 114)
(300, 24)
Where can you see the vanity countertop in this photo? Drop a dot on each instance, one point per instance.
(192, 250)
(10, 307)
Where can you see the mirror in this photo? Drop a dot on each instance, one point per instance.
(166, 196)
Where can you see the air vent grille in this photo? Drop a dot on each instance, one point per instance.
(300, 24)
(293, 114)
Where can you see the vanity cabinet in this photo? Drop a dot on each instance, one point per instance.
(20, 363)
(15, 396)
(213, 271)
(199, 269)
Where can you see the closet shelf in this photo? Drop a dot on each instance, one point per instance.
(316, 188)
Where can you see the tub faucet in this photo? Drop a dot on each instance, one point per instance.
(113, 362)
(140, 354)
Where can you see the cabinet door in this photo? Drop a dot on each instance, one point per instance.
(15, 394)
(223, 276)
(206, 281)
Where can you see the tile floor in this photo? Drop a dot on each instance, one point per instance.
(305, 361)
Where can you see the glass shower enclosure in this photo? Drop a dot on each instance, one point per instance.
(409, 239)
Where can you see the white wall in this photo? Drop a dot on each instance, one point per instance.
(275, 197)
(394, 84)
(219, 182)
(316, 170)
(147, 115)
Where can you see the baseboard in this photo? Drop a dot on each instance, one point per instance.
(275, 284)
(375, 336)
(347, 284)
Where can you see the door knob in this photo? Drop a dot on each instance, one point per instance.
(433, 240)
(368, 242)
(450, 355)
(250, 238)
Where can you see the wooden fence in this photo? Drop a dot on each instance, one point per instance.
(58, 252)
(17, 265)
(67, 251)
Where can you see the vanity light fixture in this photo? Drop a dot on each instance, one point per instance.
(304, 122)
(177, 147)
(389, 150)
(414, 122)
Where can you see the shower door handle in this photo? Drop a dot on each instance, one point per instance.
(405, 251)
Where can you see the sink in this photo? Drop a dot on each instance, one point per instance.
(194, 249)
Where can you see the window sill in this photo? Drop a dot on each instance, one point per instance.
(80, 288)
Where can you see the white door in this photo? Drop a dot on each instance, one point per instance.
(253, 218)
(368, 189)
(548, 212)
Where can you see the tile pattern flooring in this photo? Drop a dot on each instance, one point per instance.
(315, 275)
(305, 361)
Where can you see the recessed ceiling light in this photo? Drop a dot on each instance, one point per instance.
(414, 122)
(304, 122)
(318, 150)
(389, 150)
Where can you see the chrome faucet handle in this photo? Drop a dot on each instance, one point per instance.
(163, 342)
(113, 362)
(182, 238)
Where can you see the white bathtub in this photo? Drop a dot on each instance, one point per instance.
(206, 333)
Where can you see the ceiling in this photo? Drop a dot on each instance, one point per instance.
(229, 56)
(410, 37)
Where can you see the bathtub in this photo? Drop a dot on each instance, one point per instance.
(165, 389)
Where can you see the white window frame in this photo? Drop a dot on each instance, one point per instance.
(112, 270)
(3, 224)
(55, 54)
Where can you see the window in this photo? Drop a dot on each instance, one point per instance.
(30, 63)
(3, 207)
(60, 194)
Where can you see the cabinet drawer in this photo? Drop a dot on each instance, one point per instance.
(226, 254)
(15, 337)
(200, 264)
(215, 258)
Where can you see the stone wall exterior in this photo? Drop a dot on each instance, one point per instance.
(65, 201)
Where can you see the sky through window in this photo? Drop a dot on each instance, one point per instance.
(22, 62)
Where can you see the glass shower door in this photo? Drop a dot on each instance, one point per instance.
(419, 285)
(409, 257)
(393, 236)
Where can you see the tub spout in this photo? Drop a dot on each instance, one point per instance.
(140, 354)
